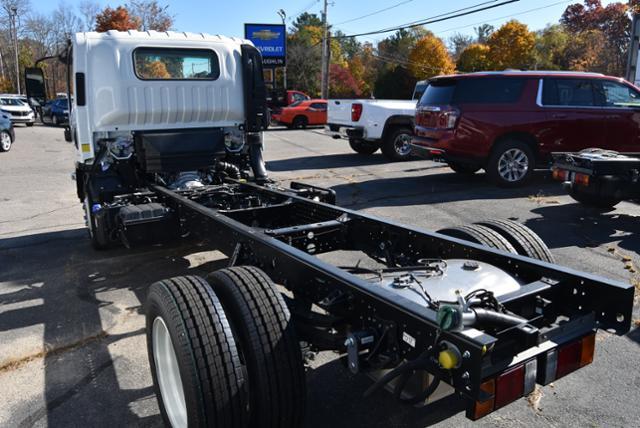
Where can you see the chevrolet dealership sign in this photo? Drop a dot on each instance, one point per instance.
(271, 41)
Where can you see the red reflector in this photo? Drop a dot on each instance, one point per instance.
(568, 359)
(582, 179)
(560, 174)
(436, 151)
(509, 386)
(483, 408)
(356, 112)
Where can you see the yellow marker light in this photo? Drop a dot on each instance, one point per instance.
(86, 148)
(448, 359)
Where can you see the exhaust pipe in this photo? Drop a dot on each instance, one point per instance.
(254, 139)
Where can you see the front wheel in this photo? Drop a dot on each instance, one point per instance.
(29, 123)
(511, 163)
(363, 147)
(5, 141)
(396, 145)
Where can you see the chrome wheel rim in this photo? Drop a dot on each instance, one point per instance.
(402, 144)
(168, 374)
(6, 141)
(513, 165)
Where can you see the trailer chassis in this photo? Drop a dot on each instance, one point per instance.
(283, 231)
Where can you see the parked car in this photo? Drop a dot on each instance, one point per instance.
(18, 111)
(302, 113)
(370, 125)
(7, 136)
(277, 99)
(56, 111)
(509, 122)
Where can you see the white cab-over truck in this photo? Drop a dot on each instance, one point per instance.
(167, 128)
(373, 124)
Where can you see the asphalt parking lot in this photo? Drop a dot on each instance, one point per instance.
(72, 345)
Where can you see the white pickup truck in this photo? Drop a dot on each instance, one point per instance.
(370, 125)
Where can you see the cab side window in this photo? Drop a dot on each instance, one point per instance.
(568, 92)
(319, 106)
(618, 95)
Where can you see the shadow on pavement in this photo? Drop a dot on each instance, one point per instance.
(585, 227)
(333, 403)
(441, 187)
(343, 160)
(87, 304)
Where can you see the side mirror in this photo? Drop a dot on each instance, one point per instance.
(35, 84)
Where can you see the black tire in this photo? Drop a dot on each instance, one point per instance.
(363, 147)
(479, 235)
(300, 122)
(505, 148)
(5, 141)
(524, 240)
(97, 233)
(265, 335)
(464, 168)
(395, 145)
(209, 364)
(595, 200)
(29, 123)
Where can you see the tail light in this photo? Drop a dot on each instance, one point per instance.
(520, 380)
(448, 119)
(560, 174)
(356, 112)
(582, 179)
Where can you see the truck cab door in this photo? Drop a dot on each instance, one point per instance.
(35, 86)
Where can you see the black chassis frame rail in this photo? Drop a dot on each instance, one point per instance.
(592, 301)
(619, 165)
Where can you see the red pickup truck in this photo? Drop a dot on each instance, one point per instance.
(509, 122)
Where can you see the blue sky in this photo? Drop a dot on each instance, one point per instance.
(227, 17)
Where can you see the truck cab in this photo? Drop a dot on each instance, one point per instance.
(176, 109)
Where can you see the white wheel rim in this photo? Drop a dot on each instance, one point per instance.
(513, 165)
(168, 374)
(6, 141)
(402, 144)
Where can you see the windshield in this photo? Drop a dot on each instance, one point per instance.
(11, 102)
(419, 90)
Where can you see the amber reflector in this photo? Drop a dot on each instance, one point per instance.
(588, 349)
(483, 408)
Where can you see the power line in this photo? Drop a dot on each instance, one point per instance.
(303, 10)
(376, 12)
(429, 20)
(507, 16)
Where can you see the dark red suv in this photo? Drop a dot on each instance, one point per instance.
(509, 122)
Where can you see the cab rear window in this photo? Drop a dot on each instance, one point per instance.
(175, 64)
(473, 91)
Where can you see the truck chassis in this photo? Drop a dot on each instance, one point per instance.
(282, 232)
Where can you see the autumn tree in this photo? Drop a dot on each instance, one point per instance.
(342, 83)
(612, 21)
(151, 15)
(116, 19)
(474, 58)
(550, 47)
(483, 32)
(512, 46)
(458, 43)
(430, 57)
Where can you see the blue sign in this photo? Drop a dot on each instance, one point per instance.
(271, 41)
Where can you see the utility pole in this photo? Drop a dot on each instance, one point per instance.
(14, 14)
(283, 15)
(324, 73)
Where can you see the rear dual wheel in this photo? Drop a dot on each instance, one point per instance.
(235, 350)
(505, 235)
